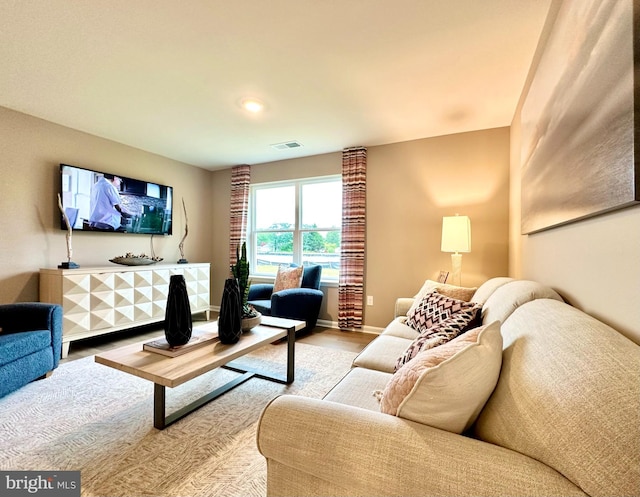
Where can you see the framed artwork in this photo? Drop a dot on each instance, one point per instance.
(578, 131)
(442, 278)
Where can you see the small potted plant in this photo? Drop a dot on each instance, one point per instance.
(240, 270)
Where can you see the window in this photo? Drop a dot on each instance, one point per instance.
(296, 222)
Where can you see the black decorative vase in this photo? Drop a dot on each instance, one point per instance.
(177, 317)
(229, 321)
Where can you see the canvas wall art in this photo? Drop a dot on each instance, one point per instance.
(578, 118)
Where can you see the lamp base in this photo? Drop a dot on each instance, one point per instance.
(456, 269)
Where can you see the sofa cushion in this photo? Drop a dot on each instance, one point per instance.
(508, 297)
(398, 328)
(382, 353)
(288, 277)
(439, 334)
(456, 292)
(434, 308)
(356, 388)
(17, 345)
(447, 386)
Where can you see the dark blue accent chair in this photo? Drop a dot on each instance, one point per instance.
(30, 343)
(302, 303)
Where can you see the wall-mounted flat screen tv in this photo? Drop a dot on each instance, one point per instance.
(111, 203)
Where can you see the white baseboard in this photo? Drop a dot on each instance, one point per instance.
(365, 329)
(330, 324)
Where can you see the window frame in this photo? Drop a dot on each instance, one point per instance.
(297, 230)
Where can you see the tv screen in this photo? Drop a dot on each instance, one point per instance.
(112, 203)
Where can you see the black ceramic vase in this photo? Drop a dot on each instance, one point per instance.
(177, 316)
(229, 321)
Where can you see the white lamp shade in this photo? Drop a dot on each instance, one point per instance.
(456, 234)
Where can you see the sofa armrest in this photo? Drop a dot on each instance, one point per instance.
(260, 291)
(368, 453)
(403, 304)
(32, 316)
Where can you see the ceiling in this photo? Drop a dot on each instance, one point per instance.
(167, 76)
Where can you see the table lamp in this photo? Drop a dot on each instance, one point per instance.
(456, 238)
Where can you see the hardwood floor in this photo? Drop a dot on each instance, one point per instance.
(325, 337)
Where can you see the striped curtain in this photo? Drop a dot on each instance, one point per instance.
(351, 282)
(240, 180)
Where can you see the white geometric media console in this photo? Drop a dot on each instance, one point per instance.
(100, 300)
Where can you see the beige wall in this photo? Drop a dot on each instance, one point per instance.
(410, 186)
(31, 238)
(594, 264)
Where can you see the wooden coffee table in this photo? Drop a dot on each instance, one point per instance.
(173, 371)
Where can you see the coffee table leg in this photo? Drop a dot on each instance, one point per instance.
(161, 420)
(159, 397)
(291, 354)
(290, 376)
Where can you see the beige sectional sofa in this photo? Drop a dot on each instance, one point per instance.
(563, 419)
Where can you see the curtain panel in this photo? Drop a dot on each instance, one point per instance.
(351, 282)
(240, 181)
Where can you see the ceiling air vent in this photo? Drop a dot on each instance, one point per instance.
(287, 145)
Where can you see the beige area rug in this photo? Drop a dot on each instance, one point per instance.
(95, 419)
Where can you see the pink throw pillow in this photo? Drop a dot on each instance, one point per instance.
(288, 277)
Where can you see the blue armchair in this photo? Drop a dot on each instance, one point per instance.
(295, 303)
(30, 343)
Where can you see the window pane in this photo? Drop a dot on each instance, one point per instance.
(267, 263)
(322, 205)
(322, 247)
(275, 208)
(273, 249)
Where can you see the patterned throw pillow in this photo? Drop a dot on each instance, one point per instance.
(288, 277)
(440, 333)
(434, 308)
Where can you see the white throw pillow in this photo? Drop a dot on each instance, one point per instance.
(447, 386)
(456, 292)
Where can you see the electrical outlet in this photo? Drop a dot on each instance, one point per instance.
(369, 299)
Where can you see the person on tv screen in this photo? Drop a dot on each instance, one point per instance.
(106, 209)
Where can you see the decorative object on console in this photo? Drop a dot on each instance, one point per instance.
(177, 319)
(456, 237)
(130, 259)
(229, 321)
(240, 271)
(69, 264)
(186, 232)
(442, 277)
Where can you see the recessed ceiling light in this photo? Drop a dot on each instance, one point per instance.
(252, 105)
